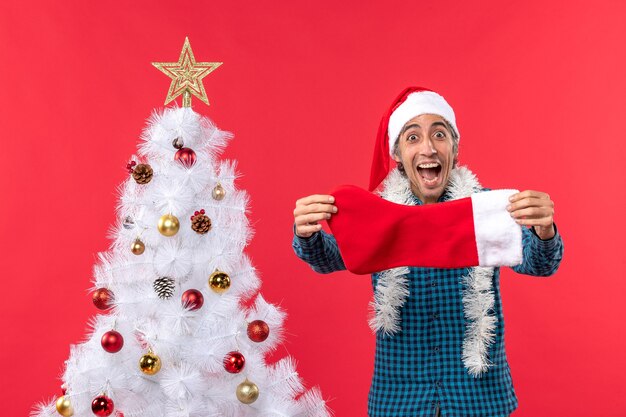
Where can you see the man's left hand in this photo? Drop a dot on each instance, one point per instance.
(533, 208)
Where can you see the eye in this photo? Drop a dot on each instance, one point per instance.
(411, 137)
(440, 134)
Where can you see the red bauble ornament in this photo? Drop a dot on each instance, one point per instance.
(102, 298)
(112, 341)
(258, 331)
(185, 156)
(234, 362)
(192, 299)
(102, 406)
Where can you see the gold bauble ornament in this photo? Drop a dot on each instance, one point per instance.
(219, 281)
(138, 247)
(247, 392)
(168, 225)
(150, 363)
(218, 192)
(64, 406)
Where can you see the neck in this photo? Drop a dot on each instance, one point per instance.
(425, 200)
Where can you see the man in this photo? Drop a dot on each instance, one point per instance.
(431, 358)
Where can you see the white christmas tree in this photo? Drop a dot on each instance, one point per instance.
(175, 337)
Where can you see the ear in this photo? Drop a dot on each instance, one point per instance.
(396, 155)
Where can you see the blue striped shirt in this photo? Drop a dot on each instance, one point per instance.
(420, 369)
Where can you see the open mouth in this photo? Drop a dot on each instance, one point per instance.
(429, 172)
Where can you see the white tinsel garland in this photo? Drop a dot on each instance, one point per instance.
(392, 288)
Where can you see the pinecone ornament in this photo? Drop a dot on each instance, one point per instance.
(200, 222)
(164, 287)
(142, 173)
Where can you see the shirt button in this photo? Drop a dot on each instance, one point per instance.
(435, 316)
(438, 383)
(436, 349)
(433, 284)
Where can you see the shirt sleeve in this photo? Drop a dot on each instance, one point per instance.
(541, 257)
(320, 251)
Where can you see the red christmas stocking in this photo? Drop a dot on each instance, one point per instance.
(374, 234)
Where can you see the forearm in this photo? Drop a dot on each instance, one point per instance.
(320, 251)
(541, 257)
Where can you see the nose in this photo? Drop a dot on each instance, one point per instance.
(427, 147)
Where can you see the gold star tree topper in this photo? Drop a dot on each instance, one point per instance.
(186, 75)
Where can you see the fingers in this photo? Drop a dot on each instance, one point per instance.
(315, 198)
(535, 200)
(314, 208)
(310, 210)
(311, 218)
(307, 231)
(528, 193)
(532, 208)
(317, 203)
(543, 222)
(533, 213)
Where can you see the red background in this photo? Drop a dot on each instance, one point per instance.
(539, 93)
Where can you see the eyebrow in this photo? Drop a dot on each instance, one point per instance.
(412, 125)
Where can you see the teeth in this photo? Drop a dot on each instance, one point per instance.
(433, 165)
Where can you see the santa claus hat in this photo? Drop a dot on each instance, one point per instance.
(412, 102)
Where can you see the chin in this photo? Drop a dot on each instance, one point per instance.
(433, 195)
(428, 193)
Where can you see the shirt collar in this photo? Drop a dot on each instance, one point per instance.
(444, 197)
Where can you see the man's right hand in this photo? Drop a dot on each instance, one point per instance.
(310, 210)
